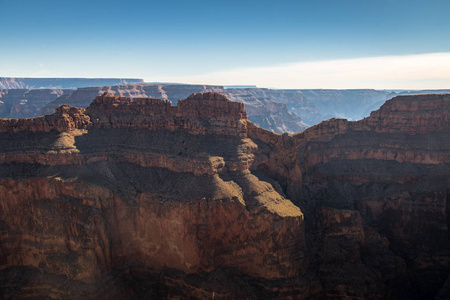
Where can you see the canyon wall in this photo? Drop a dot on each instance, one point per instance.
(138, 198)
(103, 201)
(375, 196)
(291, 110)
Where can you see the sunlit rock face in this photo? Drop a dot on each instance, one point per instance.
(96, 201)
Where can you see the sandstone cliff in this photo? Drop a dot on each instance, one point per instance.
(386, 180)
(280, 111)
(138, 198)
(374, 194)
(265, 112)
(127, 190)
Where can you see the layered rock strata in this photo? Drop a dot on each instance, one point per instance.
(390, 170)
(136, 198)
(266, 112)
(392, 167)
(128, 189)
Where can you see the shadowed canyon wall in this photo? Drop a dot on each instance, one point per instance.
(135, 188)
(137, 198)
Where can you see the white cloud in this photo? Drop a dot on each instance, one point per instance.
(423, 71)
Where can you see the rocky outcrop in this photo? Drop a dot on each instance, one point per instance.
(392, 168)
(280, 111)
(132, 189)
(405, 129)
(83, 97)
(375, 196)
(264, 112)
(202, 113)
(65, 118)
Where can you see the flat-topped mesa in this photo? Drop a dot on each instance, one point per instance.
(202, 113)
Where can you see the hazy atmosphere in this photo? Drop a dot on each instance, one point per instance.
(386, 44)
(225, 149)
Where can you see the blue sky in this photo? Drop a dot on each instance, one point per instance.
(194, 41)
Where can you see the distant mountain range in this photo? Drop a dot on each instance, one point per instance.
(62, 83)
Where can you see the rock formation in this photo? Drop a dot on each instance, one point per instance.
(291, 110)
(138, 198)
(265, 112)
(392, 171)
(134, 188)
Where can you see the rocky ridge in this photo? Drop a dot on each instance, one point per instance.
(264, 112)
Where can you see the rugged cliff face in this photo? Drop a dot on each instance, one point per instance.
(265, 112)
(125, 190)
(137, 198)
(280, 111)
(392, 171)
(375, 197)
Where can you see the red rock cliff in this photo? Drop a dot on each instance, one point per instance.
(139, 188)
(203, 113)
(390, 170)
(139, 197)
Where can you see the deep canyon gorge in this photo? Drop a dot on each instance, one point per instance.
(138, 198)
